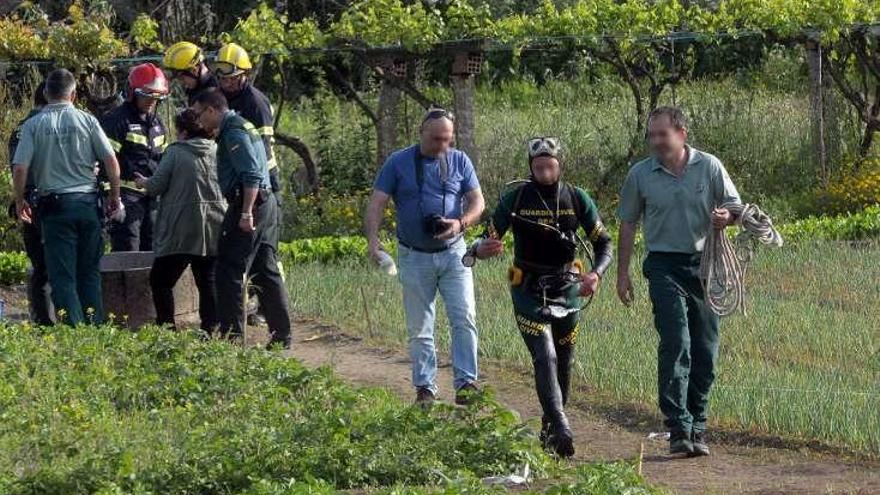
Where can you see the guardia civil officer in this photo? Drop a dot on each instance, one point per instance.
(547, 280)
(248, 243)
(675, 194)
(60, 147)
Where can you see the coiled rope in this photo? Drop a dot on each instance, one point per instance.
(724, 263)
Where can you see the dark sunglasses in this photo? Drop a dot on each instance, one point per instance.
(151, 95)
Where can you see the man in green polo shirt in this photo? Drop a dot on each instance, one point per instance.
(677, 195)
(62, 144)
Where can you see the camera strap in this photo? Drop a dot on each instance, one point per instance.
(419, 165)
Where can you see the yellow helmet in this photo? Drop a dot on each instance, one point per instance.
(183, 56)
(232, 60)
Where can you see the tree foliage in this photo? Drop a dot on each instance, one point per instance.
(82, 39)
(649, 44)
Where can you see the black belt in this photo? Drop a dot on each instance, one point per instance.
(72, 195)
(426, 251)
(539, 269)
(235, 197)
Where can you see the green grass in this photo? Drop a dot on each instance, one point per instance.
(803, 364)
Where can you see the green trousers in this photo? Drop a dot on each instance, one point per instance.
(73, 246)
(688, 347)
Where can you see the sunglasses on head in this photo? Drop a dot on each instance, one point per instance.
(438, 113)
(543, 146)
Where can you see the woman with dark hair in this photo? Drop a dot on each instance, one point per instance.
(187, 226)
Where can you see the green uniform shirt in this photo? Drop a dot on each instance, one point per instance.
(676, 211)
(61, 145)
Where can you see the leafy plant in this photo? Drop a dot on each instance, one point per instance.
(847, 227)
(104, 410)
(857, 188)
(14, 268)
(144, 34)
(85, 38)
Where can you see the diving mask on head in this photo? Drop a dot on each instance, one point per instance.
(544, 146)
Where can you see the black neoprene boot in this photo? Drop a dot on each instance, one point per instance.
(559, 437)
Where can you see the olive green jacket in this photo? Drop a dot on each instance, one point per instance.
(191, 206)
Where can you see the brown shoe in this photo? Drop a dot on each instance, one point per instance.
(424, 397)
(466, 395)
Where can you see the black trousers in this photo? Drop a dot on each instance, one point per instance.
(164, 276)
(42, 311)
(252, 257)
(135, 232)
(551, 345)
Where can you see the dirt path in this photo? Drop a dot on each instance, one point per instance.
(730, 469)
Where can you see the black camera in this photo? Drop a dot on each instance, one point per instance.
(434, 225)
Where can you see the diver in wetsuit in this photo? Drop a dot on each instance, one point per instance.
(546, 279)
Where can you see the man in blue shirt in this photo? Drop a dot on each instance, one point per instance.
(437, 196)
(249, 239)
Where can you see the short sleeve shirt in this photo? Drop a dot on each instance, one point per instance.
(60, 146)
(437, 195)
(676, 212)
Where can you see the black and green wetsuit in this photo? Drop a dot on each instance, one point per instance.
(544, 260)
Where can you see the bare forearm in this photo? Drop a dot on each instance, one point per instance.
(373, 218)
(111, 168)
(248, 199)
(625, 244)
(474, 206)
(19, 180)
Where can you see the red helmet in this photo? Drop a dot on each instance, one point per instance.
(147, 80)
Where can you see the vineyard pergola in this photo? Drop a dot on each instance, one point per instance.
(650, 46)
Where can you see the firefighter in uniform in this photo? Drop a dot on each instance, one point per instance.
(546, 279)
(186, 62)
(231, 68)
(139, 137)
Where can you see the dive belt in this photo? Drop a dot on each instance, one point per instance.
(549, 287)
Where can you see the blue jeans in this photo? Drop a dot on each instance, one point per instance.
(421, 275)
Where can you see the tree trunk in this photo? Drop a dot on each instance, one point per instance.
(817, 111)
(867, 141)
(301, 149)
(386, 127)
(463, 90)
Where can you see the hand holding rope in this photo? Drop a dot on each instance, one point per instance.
(724, 263)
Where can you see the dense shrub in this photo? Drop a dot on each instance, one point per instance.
(847, 227)
(854, 190)
(330, 215)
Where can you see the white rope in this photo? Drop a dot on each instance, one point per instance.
(724, 263)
